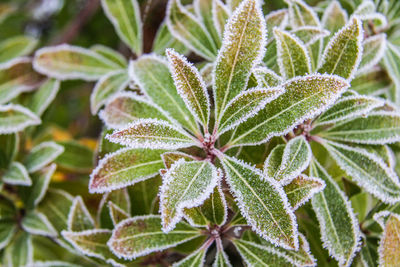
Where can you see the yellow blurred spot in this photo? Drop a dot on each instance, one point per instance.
(89, 142)
(59, 177)
(60, 135)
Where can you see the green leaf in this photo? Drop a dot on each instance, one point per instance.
(7, 230)
(391, 61)
(19, 252)
(185, 185)
(190, 87)
(119, 198)
(17, 175)
(246, 105)
(9, 144)
(169, 158)
(188, 30)
(205, 12)
(196, 259)
(43, 97)
(310, 34)
(146, 192)
(16, 46)
(79, 218)
(304, 98)
(373, 51)
(7, 208)
(294, 160)
(125, 17)
(266, 78)
(367, 170)
(76, 157)
(277, 18)
(142, 235)
(335, 17)
(343, 53)
(65, 62)
(164, 39)
(242, 49)
(36, 223)
(377, 128)
(17, 77)
(40, 182)
(348, 107)
(116, 213)
(262, 202)
(6, 9)
(41, 155)
(124, 167)
(339, 226)
(301, 189)
(221, 259)
(274, 160)
(293, 58)
(220, 15)
(55, 206)
(106, 87)
(300, 14)
(154, 78)
(371, 83)
(152, 134)
(389, 249)
(110, 54)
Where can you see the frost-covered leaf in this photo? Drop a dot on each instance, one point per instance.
(304, 98)
(301, 189)
(76, 157)
(164, 39)
(373, 82)
(124, 167)
(126, 107)
(41, 155)
(377, 128)
(293, 58)
(19, 252)
(16, 77)
(220, 15)
(367, 170)
(106, 87)
(119, 198)
(266, 78)
(190, 86)
(278, 18)
(389, 245)
(116, 213)
(204, 11)
(154, 79)
(294, 160)
(152, 134)
(66, 62)
(343, 53)
(335, 17)
(7, 230)
(79, 218)
(246, 105)
(170, 157)
(373, 51)
(43, 96)
(300, 14)
(16, 46)
(110, 54)
(391, 61)
(242, 49)
(274, 160)
(339, 227)
(40, 182)
(262, 202)
(188, 30)
(142, 235)
(221, 259)
(196, 259)
(348, 107)
(7, 208)
(15, 118)
(185, 185)
(125, 17)
(310, 34)
(17, 175)
(36, 223)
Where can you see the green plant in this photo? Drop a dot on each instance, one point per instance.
(278, 147)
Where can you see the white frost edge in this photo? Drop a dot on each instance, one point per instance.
(378, 56)
(168, 178)
(354, 223)
(49, 173)
(99, 85)
(145, 251)
(78, 201)
(7, 129)
(321, 33)
(50, 97)
(222, 252)
(305, 6)
(333, 41)
(260, 72)
(239, 198)
(182, 262)
(103, 202)
(312, 192)
(57, 151)
(150, 144)
(51, 264)
(26, 179)
(221, 6)
(331, 7)
(106, 189)
(52, 232)
(73, 74)
(111, 207)
(285, 20)
(379, 218)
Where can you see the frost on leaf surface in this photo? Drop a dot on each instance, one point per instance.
(41, 155)
(335, 17)
(151, 134)
(17, 174)
(197, 258)
(266, 78)
(262, 202)
(79, 218)
(304, 98)
(389, 245)
(142, 235)
(300, 14)
(373, 50)
(367, 170)
(185, 185)
(339, 227)
(242, 49)
(169, 158)
(310, 34)
(125, 167)
(15, 118)
(190, 86)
